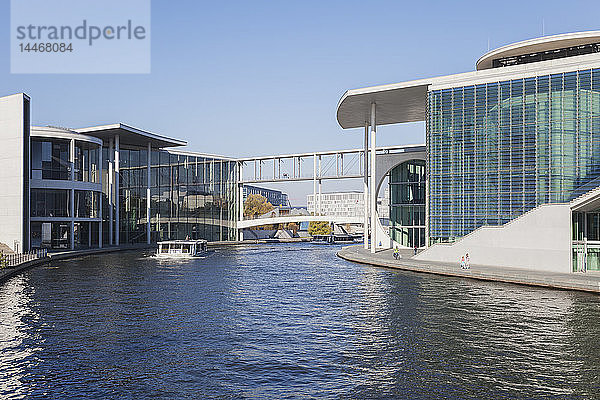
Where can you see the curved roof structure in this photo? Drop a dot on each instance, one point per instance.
(62, 133)
(538, 45)
(130, 136)
(407, 101)
(396, 103)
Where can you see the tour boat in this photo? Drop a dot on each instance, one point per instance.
(181, 248)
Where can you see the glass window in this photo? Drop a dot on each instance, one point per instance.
(50, 203)
(50, 159)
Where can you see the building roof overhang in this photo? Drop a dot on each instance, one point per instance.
(62, 133)
(395, 103)
(130, 136)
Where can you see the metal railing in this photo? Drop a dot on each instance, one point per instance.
(13, 260)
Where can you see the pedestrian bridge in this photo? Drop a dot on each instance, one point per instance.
(249, 223)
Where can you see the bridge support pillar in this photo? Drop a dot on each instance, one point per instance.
(320, 202)
(240, 199)
(315, 184)
(373, 183)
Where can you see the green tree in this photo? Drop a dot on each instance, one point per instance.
(292, 226)
(319, 228)
(255, 205)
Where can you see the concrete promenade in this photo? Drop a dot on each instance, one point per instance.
(588, 282)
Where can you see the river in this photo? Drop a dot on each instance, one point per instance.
(288, 321)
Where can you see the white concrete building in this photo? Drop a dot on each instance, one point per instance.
(346, 204)
(337, 204)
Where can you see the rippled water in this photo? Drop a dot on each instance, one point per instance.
(288, 321)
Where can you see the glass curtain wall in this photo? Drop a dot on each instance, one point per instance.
(50, 159)
(500, 149)
(407, 203)
(86, 162)
(190, 197)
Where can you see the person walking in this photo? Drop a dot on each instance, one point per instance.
(462, 262)
(467, 262)
(396, 253)
(416, 248)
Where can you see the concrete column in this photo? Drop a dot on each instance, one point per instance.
(100, 198)
(117, 221)
(373, 183)
(320, 172)
(315, 184)
(72, 199)
(366, 188)
(148, 229)
(240, 188)
(111, 155)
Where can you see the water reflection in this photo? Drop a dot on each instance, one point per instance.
(18, 345)
(286, 322)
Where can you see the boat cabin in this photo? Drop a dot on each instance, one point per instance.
(182, 248)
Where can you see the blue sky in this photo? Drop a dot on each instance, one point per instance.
(244, 78)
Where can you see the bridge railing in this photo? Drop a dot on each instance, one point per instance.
(13, 260)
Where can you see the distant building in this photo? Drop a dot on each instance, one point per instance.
(348, 204)
(275, 197)
(338, 204)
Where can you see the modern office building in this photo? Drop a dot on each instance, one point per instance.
(276, 197)
(337, 204)
(107, 185)
(511, 147)
(345, 204)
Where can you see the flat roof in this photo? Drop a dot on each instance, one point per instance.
(538, 45)
(130, 136)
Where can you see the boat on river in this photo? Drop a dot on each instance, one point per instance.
(182, 248)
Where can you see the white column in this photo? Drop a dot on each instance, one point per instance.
(315, 184)
(148, 194)
(366, 188)
(100, 161)
(117, 224)
(72, 200)
(111, 158)
(373, 183)
(240, 188)
(320, 172)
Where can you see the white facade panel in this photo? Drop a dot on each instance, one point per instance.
(14, 153)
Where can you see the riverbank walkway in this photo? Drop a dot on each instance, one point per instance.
(7, 273)
(588, 282)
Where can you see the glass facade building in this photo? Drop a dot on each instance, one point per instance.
(65, 189)
(499, 149)
(191, 196)
(87, 191)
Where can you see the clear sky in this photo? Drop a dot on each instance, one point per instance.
(243, 78)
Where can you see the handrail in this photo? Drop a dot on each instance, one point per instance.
(15, 259)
